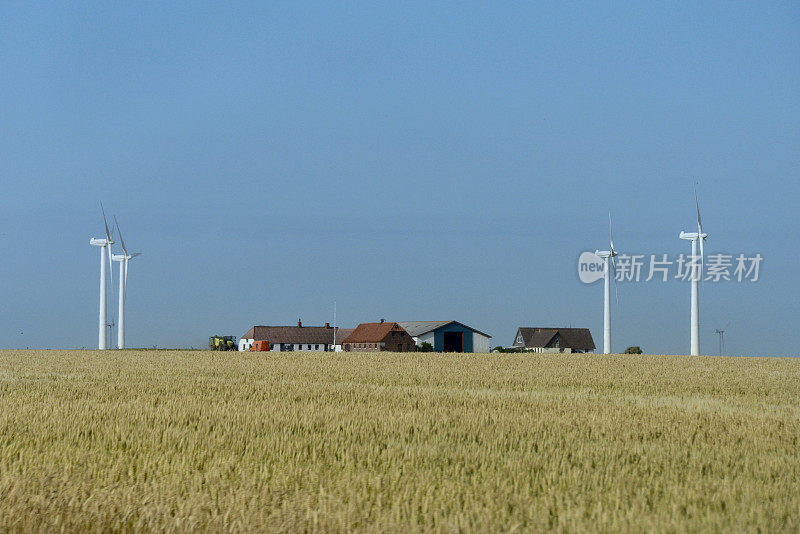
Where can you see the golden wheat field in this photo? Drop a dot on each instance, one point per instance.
(201, 441)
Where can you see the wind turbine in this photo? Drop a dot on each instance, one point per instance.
(608, 258)
(721, 334)
(123, 286)
(105, 250)
(697, 274)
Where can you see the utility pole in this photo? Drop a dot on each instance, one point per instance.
(721, 334)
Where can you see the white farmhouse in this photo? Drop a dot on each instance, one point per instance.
(296, 338)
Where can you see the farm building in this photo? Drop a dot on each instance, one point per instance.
(373, 337)
(295, 338)
(554, 339)
(447, 336)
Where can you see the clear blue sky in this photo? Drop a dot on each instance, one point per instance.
(411, 161)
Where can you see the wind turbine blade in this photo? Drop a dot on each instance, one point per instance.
(614, 269)
(702, 261)
(610, 232)
(699, 234)
(105, 221)
(110, 267)
(697, 205)
(122, 241)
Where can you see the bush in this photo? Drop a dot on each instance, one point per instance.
(425, 347)
(633, 350)
(507, 350)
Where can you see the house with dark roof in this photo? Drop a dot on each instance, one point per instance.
(447, 336)
(554, 339)
(296, 338)
(374, 337)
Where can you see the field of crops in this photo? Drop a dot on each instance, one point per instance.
(397, 442)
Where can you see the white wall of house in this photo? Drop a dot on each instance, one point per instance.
(245, 344)
(300, 347)
(519, 342)
(427, 337)
(549, 350)
(310, 347)
(480, 343)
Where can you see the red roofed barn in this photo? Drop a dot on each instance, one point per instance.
(374, 337)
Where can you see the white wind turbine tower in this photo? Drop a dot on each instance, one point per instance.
(105, 250)
(696, 275)
(608, 258)
(123, 260)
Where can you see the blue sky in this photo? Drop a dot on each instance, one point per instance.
(412, 161)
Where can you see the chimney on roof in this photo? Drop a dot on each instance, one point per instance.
(327, 325)
(299, 323)
(382, 320)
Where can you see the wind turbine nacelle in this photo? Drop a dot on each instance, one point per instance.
(689, 236)
(100, 242)
(123, 257)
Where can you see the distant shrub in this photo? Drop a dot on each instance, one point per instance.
(425, 347)
(633, 350)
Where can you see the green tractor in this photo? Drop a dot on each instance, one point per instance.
(222, 343)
